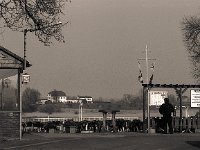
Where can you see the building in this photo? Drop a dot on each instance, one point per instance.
(57, 97)
(85, 99)
(12, 66)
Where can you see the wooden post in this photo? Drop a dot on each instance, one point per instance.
(114, 121)
(144, 106)
(181, 115)
(104, 120)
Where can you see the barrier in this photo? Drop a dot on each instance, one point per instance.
(190, 124)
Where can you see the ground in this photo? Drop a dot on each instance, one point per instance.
(105, 141)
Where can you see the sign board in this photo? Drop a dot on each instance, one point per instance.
(157, 97)
(25, 78)
(195, 97)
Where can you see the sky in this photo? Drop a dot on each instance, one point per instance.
(104, 40)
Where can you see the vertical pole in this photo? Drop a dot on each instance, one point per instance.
(20, 103)
(25, 33)
(146, 50)
(180, 97)
(114, 121)
(2, 89)
(148, 111)
(186, 112)
(81, 111)
(147, 82)
(104, 120)
(18, 88)
(144, 110)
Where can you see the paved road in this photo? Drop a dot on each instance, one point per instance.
(109, 141)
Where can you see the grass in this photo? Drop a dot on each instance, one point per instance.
(74, 113)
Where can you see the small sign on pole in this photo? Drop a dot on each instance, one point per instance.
(195, 97)
(25, 78)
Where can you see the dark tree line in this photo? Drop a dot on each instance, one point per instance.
(129, 101)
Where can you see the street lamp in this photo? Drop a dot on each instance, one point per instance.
(26, 76)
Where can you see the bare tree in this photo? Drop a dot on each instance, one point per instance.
(29, 99)
(191, 33)
(38, 16)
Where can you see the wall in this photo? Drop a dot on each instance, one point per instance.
(9, 125)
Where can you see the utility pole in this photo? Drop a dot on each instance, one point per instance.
(147, 82)
(148, 109)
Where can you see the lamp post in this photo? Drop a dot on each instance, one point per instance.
(25, 31)
(81, 111)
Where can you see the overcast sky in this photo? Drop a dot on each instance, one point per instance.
(103, 42)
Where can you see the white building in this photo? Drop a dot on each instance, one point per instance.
(57, 96)
(85, 99)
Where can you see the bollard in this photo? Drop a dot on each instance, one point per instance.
(189, 125)
(176, 124)
(183, 124)
(198, 122)
(193, 123)
(153, 123)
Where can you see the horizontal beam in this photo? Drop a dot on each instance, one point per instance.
(171, 85)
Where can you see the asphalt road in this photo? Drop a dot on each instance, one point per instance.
(106, 141)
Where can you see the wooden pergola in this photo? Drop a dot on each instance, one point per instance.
(179, 88)
(105, 112)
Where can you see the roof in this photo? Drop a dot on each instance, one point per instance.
(57, 93)
(11, 54)
(84, 96)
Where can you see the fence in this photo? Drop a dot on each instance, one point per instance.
(186, 124)
(47, 119)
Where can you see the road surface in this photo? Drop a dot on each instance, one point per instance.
(105, 141)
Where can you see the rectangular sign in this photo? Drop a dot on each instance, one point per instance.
(157, 97)
(195, 97)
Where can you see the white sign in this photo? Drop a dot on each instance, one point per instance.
(25, 78)
(157, 97)
(195, 97)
